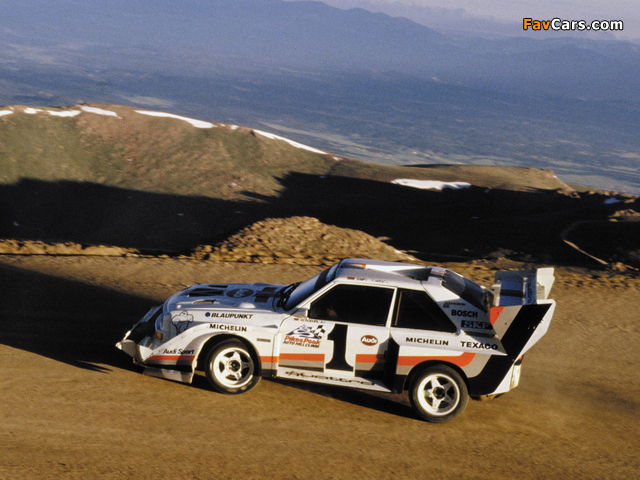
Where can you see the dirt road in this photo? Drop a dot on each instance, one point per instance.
(72, 406)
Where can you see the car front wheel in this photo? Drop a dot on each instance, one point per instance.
(230, 368)
(439, 394)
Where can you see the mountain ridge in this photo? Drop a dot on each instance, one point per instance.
(115, 175)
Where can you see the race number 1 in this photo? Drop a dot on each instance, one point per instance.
(339, 337)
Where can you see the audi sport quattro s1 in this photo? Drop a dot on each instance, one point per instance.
(390, 327)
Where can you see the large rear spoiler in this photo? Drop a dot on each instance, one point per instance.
(522, 287)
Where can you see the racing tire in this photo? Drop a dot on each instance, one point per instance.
(230, 368)
(439, 394)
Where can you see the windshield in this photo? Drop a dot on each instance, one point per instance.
(296, 293)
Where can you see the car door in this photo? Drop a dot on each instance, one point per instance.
(341, 336)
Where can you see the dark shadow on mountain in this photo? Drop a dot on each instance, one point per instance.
(466, 223)
(65, 320)
(89, 213)
(471, 222)
(611, 241)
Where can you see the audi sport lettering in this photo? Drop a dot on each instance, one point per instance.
(389, 327)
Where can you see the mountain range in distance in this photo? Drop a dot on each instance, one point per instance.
(356, 83)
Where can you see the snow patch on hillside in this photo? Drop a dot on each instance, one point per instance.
(99, 111)
(65, 113)
(5, 112)
(430, 184)
(195, 123)
(290, 142)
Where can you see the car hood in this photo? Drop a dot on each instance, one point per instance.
(254, 296)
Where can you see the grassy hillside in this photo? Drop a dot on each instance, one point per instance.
(169, 155)
(140, 152)
(111, 175)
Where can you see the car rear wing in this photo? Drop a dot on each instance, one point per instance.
(520, 317)
(522, 287)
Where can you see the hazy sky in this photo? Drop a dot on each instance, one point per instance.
(515, 11)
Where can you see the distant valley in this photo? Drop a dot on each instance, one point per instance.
(358, 84)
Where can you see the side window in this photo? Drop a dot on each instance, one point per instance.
(354, 304)
(416, 309)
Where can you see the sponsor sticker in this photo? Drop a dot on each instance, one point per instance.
(475, 324)
(463, 313)
(325, 377)
(479, 345)
(242, 316)
(239, 293)
(369, 340)
(448, 304)
(305, 336)
(182, 321)
(427, 341)
(177, 351)
(228, 328)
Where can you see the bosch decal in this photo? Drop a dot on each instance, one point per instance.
(463, 313)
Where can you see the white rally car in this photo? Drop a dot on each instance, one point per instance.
(390, 327)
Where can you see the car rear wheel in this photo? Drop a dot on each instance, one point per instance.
(439, 394)
(230, 368)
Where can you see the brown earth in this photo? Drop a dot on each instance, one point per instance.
(295, 240)
(75, 407)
